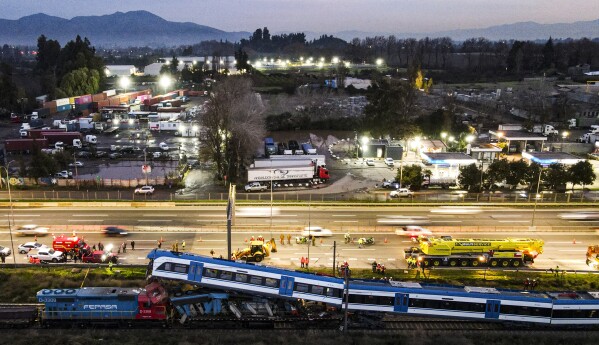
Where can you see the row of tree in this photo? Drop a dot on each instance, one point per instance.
(514, 173)
(70, 70)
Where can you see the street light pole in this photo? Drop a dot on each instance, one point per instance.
(10, 215)
(532, 224)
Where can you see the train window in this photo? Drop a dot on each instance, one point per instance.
(167, 266)
(301, 287)
(180, 268)
(575, 314)
(524, 310)
(210, 273)
(317, 290)
(240, 277)
(330, 292)
(359, 299)
(256, 280)
(384, 300)
(226, 275)
(271, 282)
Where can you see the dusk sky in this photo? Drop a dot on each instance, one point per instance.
(325, 15)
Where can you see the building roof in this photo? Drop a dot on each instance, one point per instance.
(548, 158)
(519, 135)
(447, 158)
(432, 145)
(485, 148)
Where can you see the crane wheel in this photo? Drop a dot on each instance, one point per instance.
(505, 263)
(494, 263)
(453, 263)
(436, 262)
(464, 263)
(475, 263)
(516, 263)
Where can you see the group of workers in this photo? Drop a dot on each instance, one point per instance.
(378, 268)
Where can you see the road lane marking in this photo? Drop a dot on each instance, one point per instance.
(281, 220)
(345, 221)
(24, 215)
(160, 215)
(344, 215)
(446, 221)
(90, 215)
(154, 220)
(212, 215)
(506, 216)
(583, 221)
(357, 249)
(513, 221)
(86, 220)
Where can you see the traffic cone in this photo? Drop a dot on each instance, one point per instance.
(385, 239)
(574, 241)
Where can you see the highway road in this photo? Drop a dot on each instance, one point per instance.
(203, 229)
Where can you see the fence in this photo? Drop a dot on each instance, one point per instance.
(94, 194)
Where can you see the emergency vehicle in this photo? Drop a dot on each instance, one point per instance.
(70, 245)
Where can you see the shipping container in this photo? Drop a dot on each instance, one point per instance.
(50, 105)
(99, 97)
(24, 145)
(83, 106)
(66, 137)
(110, 93)
(84, 99)
(72, 100)
(62, 101)
(65, 107)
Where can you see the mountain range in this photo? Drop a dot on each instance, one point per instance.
(135, 28)
(142, 28)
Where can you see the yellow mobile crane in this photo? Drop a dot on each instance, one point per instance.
(464, 252)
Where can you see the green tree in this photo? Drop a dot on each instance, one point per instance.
(79, 82)
(174, 66)
(48, 52)
(42, 165)
(470, 177)
(498, 172)
(410, 176)
(531, 177)
(390, 109)
(548, 54)
(581, 173)
(516, 173)
(556, 176)
(9, 93)
(242, 61)
(192, 73)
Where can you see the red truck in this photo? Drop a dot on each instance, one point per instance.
(99, 257)
(24, 145)
(70, 245)
(39, 133)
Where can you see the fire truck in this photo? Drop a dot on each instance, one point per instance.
(593, 256)
(473, 252)
(70, 245)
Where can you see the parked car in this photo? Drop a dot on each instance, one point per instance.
(76, 164)
(83, 154)
(115, 231)
(115, 155)
(164, 146)
(401, 192)
(63, 174)
(5, 251)
(48, 255)
(389, 162)
(145, 190)
(316, 231)
(370, 162)
(31, 230)
(25, 248)
(391, 185)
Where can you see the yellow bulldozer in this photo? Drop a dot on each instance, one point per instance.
(257, 251)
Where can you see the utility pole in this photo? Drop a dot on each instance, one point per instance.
(346, 273)
(334, 257)
(229, 219)
(309, 232)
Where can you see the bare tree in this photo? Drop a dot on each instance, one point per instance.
(234, 125)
